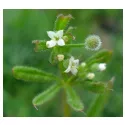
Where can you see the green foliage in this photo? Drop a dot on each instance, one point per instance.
(31, 74)
(21, 34)
(62, 21)
(66, 63)
(40, 45)
(99, 102)
(74, 45)
(46, 95)
(53, 56)
(96, 87)
(100, 57)
(73, 99)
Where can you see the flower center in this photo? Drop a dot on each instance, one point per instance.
(56, 38)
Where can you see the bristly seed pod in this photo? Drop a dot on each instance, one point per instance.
(93, 42)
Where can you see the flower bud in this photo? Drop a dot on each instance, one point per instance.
(65, 38)
(102, 66)
(90, 75)
(83, 64)
(60, 57)
(93, 42)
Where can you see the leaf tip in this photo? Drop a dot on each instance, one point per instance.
(35, 107)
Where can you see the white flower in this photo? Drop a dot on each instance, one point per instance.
(102, 66)
(56, 39)
(73, 65)
(60, 57)
(90, 75)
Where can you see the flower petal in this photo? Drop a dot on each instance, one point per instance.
(74, 70)
(51, 34)
(76, 62)
(68, 69)
(61, 42)
(59, 34)
(50, 43)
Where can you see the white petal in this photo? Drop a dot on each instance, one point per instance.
(76, 62)
(68, 69)
(50, 43)
(102, 66)
(74, 70)
(61, 42)
(51, 34)
(59, 34)
(71, 59)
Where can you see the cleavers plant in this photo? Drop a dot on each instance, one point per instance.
(72, 72)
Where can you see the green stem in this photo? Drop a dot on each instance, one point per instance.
(74, 45)
(66, 108)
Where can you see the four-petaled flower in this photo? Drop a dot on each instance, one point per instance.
(56, 39)
(73, 65)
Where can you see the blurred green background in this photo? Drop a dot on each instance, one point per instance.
(23, 26)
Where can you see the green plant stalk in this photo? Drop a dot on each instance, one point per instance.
(74, 45)
(65, 106)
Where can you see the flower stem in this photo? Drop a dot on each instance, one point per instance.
(74, 45)
(66, 108)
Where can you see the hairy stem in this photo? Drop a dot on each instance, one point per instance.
(66, 108)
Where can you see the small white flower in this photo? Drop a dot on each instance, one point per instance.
(102, 66)
(73, 65)
(60, 57)
(83, 64)
(56, 39)
(90, 75)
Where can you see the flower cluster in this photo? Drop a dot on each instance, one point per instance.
(92, 42)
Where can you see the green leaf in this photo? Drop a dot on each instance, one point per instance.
(96, 87)
(32, 74)
(53, 56)
(102, 56)
(99, 101)
(62, 22)
(69, 34)
(66, 63)
(73, 99)
(70, 30)
(40, 45)
(46, 95)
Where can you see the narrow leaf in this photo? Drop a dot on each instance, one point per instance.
(69, 34)
(73, 99)
(70, 30)
(53, 56)
(99, 102)
(66, 63)
(62, 21)
(96, 87)
(100, 57)
(40, 45)
(46, 95)
(31, 74)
